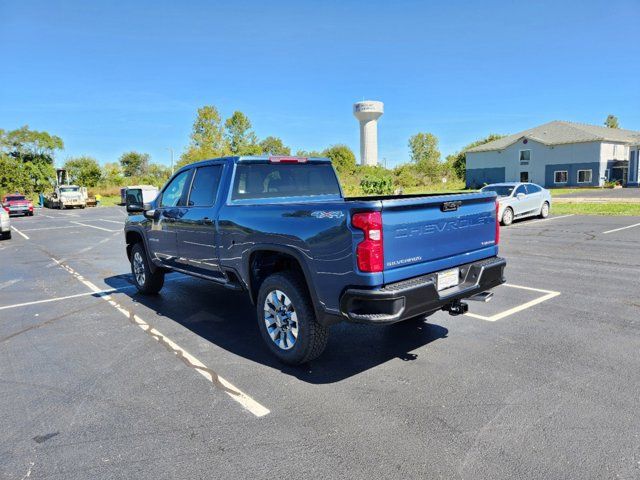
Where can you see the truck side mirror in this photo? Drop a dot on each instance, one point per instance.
(135, 208)
(133, 200)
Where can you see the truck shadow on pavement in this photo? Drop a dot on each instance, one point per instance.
(228, 320)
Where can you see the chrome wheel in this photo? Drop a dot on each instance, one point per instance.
(138, 268)
(281, 319)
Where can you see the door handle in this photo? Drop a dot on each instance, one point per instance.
(207, 221)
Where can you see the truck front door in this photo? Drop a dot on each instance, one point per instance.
(162, 236)
(196, 228)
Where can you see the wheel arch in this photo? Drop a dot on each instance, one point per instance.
(135, 235)
(263, 260)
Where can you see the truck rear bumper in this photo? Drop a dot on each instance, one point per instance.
(419, 296)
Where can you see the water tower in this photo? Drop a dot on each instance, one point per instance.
(368, 112)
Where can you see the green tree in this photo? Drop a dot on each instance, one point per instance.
(28, 144)
(240, 137)
(156, 175)
(35, 151)
(309, 153)
(134, 164)
(458, 161)
(424, 150)
(274, 146)
(83, 171)
(612, 121)
(112, 174)
(207, 137)
(343, 159)
(13, 176)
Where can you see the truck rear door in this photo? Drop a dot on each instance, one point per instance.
(428, 234)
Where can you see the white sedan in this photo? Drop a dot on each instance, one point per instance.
(5, 224)
(520, 200)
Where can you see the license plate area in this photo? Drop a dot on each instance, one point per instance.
(447, 279)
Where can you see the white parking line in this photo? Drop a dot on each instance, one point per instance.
(622, 228)
(93, 226)
(499, 316)
(57, 299)
(243, 399)
(45, 228)
(111, 221)
(542, 220)
(19, 232)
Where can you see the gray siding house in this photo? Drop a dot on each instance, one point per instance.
(558, 154)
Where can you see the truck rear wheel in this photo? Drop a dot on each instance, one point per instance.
(287, 320)
(144, 279)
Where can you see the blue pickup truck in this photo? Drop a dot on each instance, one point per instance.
(280, 229)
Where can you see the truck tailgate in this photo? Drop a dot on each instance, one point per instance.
(427, 234)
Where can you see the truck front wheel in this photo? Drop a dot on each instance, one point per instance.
(144, 279)
(287, 320)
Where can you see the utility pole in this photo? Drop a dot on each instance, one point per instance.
(171, 150)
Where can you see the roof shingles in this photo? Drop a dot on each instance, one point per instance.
(558, 133)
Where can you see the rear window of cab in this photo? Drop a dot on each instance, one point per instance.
(257, 180)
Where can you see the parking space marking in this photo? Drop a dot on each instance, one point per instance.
(622, 228)
(19, 232)
(242, 398)
(45, 228)
(542, 220)
(93, 226)
(56, 299)
(549, 294)
(112, 221)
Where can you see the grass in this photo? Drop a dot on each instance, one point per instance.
(109, 200)
(562, 191)
(613, 209)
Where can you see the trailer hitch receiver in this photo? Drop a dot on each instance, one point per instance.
(456, 308)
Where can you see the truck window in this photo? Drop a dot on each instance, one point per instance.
(172, 194)
(269, 180)
(205, 186)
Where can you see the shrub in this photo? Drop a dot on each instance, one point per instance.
(381, 184)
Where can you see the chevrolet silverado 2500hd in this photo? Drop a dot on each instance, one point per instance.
(280, 229)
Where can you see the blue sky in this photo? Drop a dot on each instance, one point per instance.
(110, 77)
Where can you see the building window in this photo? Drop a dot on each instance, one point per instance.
(615, 151)
(560, 176)
(584, 176)
(524, 177)
(525, 156)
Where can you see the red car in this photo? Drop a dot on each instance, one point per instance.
(17, 204)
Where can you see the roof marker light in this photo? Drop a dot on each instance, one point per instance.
(288, 159)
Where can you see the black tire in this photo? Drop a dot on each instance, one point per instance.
(6, 235)
(507, 218)
(149, 282)
(311, 337)
(544, 213)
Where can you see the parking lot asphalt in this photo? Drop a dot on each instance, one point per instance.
(100, 382)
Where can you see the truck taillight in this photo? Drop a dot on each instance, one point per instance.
(369, 252)
(497, 222)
